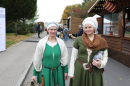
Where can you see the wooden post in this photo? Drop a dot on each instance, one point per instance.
(42, 80)
(102, 24)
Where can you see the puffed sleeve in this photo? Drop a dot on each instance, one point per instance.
(73, 58)
(104, 59)
(37, 60)
(64, 55)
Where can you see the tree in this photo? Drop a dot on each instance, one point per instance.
(78, 10)
(30, 9)
(34, 18)
(66, 13)
(84, 3)
(19, 10)
(83, 12)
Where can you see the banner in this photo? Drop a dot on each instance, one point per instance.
(2, 30)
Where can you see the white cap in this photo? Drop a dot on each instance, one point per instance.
(52, 24)
(92, 21)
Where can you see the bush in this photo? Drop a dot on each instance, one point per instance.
(10, 27)
(30, 29)
(22, 27)
(22, 30)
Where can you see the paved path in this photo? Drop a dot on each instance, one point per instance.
(15, 61)
(115, 73)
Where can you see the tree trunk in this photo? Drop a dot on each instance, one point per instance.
(15, 27)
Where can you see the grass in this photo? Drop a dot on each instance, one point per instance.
(10, 34)
(11, 39)
(9, 43)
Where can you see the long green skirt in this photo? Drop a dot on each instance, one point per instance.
(49, 78)
(84, 78)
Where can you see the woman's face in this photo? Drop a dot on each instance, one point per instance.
(89, 29)
(52, 31)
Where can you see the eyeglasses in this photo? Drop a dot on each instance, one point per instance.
(53, 29)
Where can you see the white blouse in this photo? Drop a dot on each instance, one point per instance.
(51, 44)
(89, 53)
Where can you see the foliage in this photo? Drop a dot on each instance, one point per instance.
(84, 3)
(34, 18)
(83, 13)
(78, 10)
(10, 28)
(66, 13)
(30, 27)
(19, 10)
(29, 9)
(22, 30)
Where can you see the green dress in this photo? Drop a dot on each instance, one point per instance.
(49, 62)
(83, 77)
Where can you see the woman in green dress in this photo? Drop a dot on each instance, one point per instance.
(84, 70)
(51, 59)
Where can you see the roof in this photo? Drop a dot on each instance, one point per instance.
(97, 7)
(66, 18)
(93, 5)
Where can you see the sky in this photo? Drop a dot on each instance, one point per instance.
(52, 10)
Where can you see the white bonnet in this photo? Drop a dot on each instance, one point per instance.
(92, 21)
(52, 24)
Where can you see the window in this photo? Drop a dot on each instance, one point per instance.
(111, 24)
(106, 26)
(127, 23)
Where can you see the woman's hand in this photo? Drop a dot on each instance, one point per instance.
(71, 77)
(97, 62)
(33, 78)
(66, 76)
